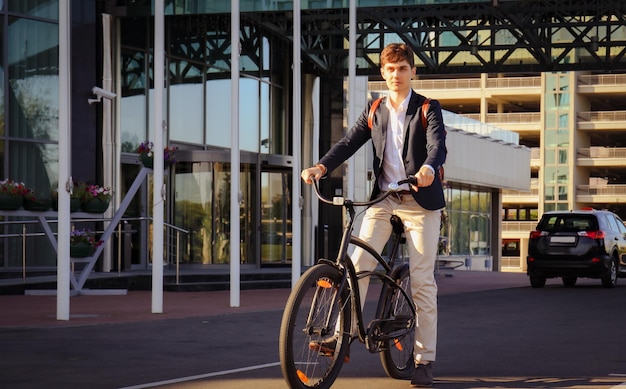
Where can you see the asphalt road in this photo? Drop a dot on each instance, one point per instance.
(521, 337)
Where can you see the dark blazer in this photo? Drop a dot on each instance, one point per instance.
(421, 146)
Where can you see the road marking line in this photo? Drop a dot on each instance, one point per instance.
(200, 376)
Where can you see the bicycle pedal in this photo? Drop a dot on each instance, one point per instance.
(328, 352)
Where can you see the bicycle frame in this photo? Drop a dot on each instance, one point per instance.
(347, 239)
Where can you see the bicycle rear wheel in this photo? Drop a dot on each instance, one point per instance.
(397, 352)
(312, 312)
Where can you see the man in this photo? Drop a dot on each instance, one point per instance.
(403, 147)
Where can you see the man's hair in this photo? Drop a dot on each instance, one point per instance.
(397, 52)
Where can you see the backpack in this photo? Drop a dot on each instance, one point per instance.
(425, 105)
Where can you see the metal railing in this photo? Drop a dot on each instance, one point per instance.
(511, 262)
(602, 79)
(601, 190)
(602, 152)
(514, 82)
(602, 116)
(518, 226)
(172, 239)
(514, 117)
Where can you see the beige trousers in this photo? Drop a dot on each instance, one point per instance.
(421, 228)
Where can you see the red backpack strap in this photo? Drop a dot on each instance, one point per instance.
(373, 108)
(425, 106)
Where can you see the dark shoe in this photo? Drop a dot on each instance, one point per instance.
(327, 347)
(423, 376)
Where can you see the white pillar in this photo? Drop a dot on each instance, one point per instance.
(110, 164)
(235, 251)
(296, 198)
(350, 176)
(65, 162)
(158, 190)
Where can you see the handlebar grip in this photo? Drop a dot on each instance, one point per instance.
(411, 180)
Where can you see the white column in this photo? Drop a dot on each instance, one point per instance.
(65, 162)
(110, 164)
(158, 190)
(350, 176)
(296, 198)
(235, 251)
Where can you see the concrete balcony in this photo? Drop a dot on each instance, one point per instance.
(517, 227)
(520, 122)
(602, 120)
(601, 156)
(612, 194)
(602, 83)
(515, 83)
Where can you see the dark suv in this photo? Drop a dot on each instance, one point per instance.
(572, 244)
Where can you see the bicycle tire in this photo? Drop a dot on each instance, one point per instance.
(311, 313)
(397, 352)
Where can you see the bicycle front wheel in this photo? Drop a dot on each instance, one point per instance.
(316, 310)
(397, 352)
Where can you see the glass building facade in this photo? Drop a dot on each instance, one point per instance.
(197, 116)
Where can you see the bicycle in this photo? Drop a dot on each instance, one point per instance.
(325, 298)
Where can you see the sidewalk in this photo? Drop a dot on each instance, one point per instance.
(40, 311)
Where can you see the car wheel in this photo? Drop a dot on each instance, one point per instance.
(537, 281)
(569, 281)
(610, 281)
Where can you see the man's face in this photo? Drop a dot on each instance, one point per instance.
(398, 76)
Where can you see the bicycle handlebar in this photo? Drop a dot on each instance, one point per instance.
(393, 187)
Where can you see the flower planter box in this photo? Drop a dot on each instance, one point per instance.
(95, 205)
(9, 202)
(81, 250)
(39, 205)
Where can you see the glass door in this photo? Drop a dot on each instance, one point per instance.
(135, 220)
(276, 217)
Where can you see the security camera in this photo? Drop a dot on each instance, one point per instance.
(100, 93)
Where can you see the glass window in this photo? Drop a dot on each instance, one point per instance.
(34, 48)
(620, 225)
(36, 164)
(612, 224)
(48, 9)
(465, 227)
(249, 106)
(193, 210)
(186, 113)
(133, 104)
(550, 120)
(534, 214)
(550, 158)
(562, 207)
(133, 122)
(556, 138)
(202, 204)
(264, 127)
(218, 113)
(511, 214)
(549, 193)
(248, 60)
